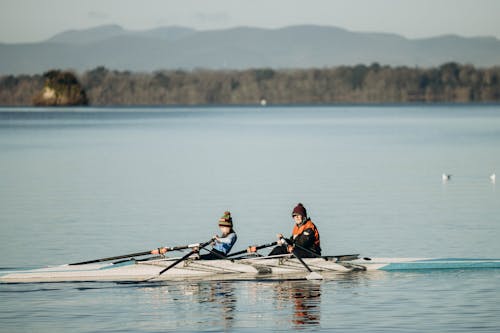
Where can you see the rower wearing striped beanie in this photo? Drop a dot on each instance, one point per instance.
(223, 244)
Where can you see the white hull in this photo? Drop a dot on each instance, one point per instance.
(189, 269)
(263, 267)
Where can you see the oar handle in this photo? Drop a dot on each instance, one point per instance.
(182, 247)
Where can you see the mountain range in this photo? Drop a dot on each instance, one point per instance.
(176, 47)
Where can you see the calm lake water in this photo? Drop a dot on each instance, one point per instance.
(79, 184)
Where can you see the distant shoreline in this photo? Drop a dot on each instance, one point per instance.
(345, 85)
(161, 108)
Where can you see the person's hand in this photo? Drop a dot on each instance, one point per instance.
(281, 241)
(160, 250)
(252, 249)
(290, 248)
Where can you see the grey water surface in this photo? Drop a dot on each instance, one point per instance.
(79, 184)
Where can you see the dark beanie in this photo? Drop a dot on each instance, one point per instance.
(300, 210)
(226, 220)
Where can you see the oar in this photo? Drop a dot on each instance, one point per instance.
(113, 258)
(339, 257)
(137, 254)
(202, 245)
(256, 248)
(312, 275)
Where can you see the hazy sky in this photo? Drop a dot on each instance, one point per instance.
(36, 20)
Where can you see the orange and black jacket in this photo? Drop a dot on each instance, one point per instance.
(306, 236)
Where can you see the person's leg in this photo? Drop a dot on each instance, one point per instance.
(214, 254)
(305, 254)
(281, 249)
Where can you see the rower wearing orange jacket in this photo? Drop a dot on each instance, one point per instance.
(305, 236)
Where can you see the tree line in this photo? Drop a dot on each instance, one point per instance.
(450, 82)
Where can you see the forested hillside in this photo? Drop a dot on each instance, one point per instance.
(450, 82)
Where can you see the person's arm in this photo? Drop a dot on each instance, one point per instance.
(225, 244)
(281, 242)
(226, 240)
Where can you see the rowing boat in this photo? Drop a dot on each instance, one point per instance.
(282, 266)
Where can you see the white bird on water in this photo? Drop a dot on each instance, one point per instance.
(445, 177)
(493, 178)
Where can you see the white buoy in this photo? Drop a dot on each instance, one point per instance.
(263, 102)
(445, 177)
(493, 178)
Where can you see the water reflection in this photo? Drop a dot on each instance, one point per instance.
(221, 299)
(222, 293)
(233, 304)
(196, 305)
(306, 299)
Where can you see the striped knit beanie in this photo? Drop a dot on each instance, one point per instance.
(226, 220)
